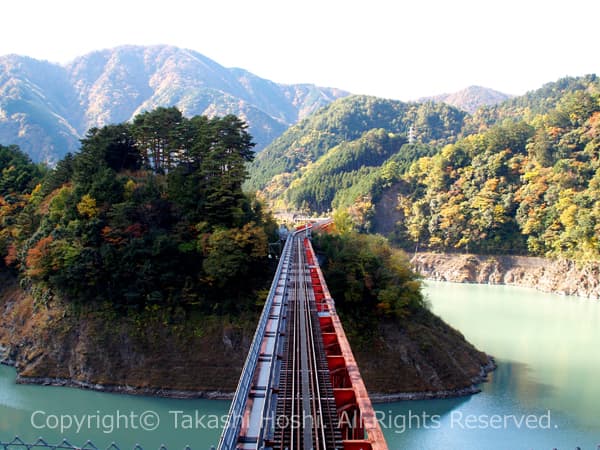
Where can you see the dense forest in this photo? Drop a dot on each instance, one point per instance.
(350, 119)
(152, 212)
(370, 281)
(526, 185)
(147, 214)
(519, 177)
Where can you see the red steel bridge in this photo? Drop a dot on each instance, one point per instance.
(300, 388)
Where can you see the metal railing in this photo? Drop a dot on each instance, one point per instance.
(18, 444)
(230, 432)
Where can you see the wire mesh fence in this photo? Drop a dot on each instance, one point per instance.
(18, 444)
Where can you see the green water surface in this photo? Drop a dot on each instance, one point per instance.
(545, 393)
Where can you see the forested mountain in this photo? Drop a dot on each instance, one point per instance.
(470, 99)
(345, 135)
(46, 108)
(38, 108)
(147, 213)
(518, 177)
(526, 107)
(528, 184)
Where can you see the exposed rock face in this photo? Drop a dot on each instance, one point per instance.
(51, 345)
(203, 358)
(424, 359)
(556, 276)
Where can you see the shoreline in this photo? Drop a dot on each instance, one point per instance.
(116, 388)
(46, 359)
(376, 398)
(379, 398)
(561, 277)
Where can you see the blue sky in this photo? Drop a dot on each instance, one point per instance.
(394, 48)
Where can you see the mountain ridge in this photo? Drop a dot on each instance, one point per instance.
(520, 177)
(348, 123)
(470, 99)
(45, 107)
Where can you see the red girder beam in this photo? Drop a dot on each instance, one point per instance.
(329, 338)
(326, 324)
(321, 307)
(357, 445)
(336, 362)
(344, 397)
(355, 398)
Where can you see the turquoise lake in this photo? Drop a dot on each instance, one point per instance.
(545, 393)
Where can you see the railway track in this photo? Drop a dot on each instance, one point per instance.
(292, 390)
(306, 416)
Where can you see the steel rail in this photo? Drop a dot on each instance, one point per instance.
(296, 386)
(317, 397)
(231, 431)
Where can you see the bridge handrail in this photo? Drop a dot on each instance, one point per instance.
(236, 411)
(19, 444)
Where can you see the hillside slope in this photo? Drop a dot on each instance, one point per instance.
(518, 177)
(529, 184)
(38, 108)
(343, 138)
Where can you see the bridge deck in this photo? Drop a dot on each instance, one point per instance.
(300, 388)
(305, 398)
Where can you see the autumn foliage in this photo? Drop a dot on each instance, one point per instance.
(148, 213)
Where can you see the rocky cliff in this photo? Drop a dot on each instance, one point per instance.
(145, 353)
(556, 276)
(425, 358)
(187, 356)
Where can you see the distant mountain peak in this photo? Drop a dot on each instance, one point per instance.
(471, 98)
(45, 108)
